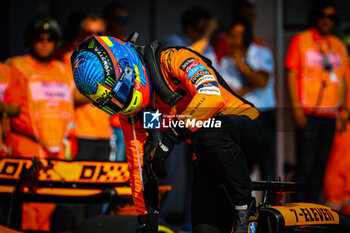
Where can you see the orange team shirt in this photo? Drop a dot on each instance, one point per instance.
(44, 94)
(319, 91)
(3, 86)
(89, 122)
(3, 80)
(205, 97)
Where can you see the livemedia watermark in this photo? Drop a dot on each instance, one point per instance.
(157, 120)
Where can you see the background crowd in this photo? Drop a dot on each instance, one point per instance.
(43, 115)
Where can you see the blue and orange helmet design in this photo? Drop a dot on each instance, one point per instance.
(111, 74)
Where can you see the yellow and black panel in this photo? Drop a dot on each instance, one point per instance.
(278, 219)
(307, 214)
(90, 172)
(65, 181)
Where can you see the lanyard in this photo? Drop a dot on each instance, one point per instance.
(327, 65)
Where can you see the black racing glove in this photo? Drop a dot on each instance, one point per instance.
(162, 144)
(161, 151)
(149, 222)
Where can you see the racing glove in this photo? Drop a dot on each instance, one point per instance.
(162, 145)
(149, 222)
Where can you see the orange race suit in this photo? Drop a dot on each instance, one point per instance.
(206, 96)
(44, 94)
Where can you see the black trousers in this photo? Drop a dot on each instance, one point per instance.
(268, 163)
(313, 145)
(221, 175)
(96, 150)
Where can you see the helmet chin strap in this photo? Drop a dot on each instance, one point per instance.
(137, 151)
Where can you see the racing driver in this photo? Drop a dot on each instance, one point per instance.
(145, 85)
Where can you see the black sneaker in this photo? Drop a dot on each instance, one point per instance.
(246, 219)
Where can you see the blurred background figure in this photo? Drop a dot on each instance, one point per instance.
(198, 26)
(93, 128)
(3, 86)
(249, 71)
(71, 35)
(92, 131)
(3, 79)
(316, 64)
(42, 87)
(337, 179)
(256, 84)
(89, 25)
(6, 110)
(243, 10)
(116, 17)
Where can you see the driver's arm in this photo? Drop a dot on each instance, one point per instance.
(200, 81)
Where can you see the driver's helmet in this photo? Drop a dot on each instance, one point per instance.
(111, 74)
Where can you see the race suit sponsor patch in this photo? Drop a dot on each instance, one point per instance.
(194, 70)
(210, 90)
(192, 65)
(208, 84)
(200, 74)
(203, 79)
(187, 62)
